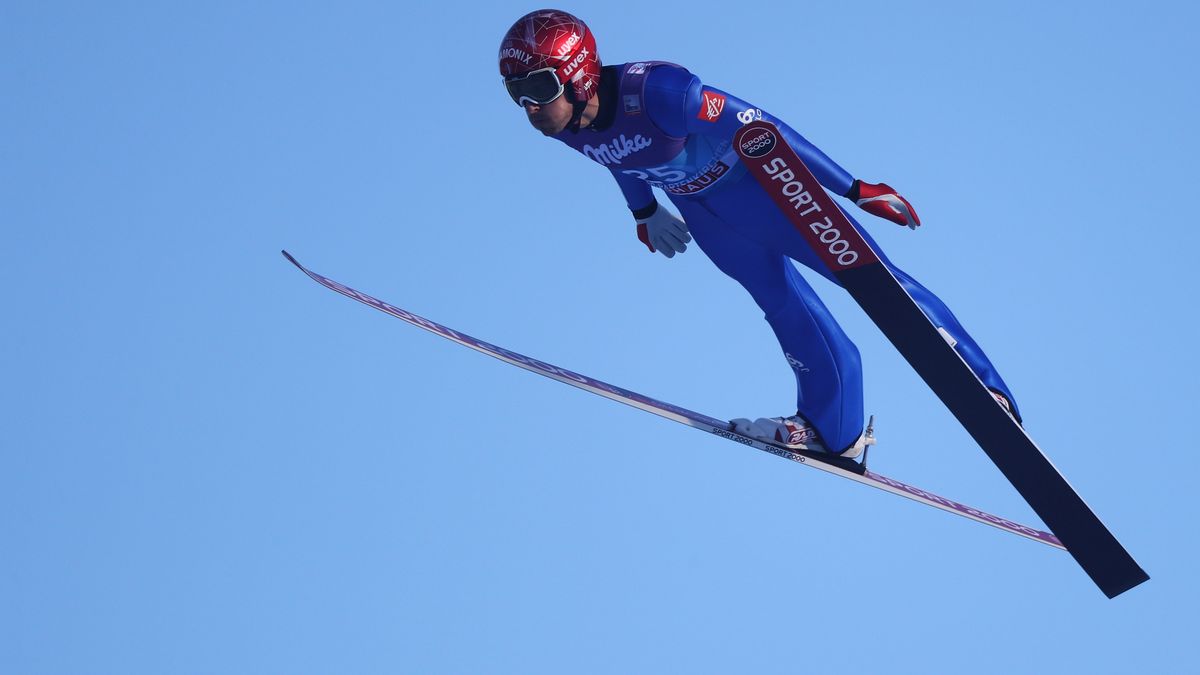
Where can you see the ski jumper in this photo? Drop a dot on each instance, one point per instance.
(659, 126)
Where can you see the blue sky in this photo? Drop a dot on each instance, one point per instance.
(211, 464)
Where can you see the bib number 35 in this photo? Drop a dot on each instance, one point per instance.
(657, 174)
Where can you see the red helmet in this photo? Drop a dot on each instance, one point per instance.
(556, 42)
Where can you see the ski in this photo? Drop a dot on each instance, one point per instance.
(837, 466)
(858, 268)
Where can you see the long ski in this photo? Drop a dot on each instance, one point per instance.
(860, 271)
(835, 465)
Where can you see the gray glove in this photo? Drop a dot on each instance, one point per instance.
(663, 232)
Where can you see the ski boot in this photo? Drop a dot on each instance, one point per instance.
(796, 433)
(1008, 407)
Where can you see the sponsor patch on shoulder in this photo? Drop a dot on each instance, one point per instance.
(714, 105)
(749, 115)
(633, 104)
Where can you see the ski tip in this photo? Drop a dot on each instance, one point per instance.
(1114, 587)
(290, 258)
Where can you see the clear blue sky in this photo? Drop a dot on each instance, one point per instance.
(210, 464)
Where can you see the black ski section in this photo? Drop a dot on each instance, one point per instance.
(1008, 446)
(858, 268)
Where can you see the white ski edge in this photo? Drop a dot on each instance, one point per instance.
(681, 415)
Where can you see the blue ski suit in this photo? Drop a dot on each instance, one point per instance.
(659, 126)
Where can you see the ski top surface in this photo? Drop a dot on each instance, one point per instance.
(794, 189)
(838, 466)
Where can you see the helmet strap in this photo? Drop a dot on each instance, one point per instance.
(577, 110)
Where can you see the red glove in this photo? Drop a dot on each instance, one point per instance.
(883, 201)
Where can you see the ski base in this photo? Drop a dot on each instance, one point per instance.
(838, 466)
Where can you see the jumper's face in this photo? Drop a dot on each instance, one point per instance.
(550, 118)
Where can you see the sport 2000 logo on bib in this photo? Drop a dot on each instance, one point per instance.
(759, 144)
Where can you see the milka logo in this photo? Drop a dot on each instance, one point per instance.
(570, 67)
(568, 45)
(514, 53)
(618, 149)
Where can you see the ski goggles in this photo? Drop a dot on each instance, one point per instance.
(538, 87)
